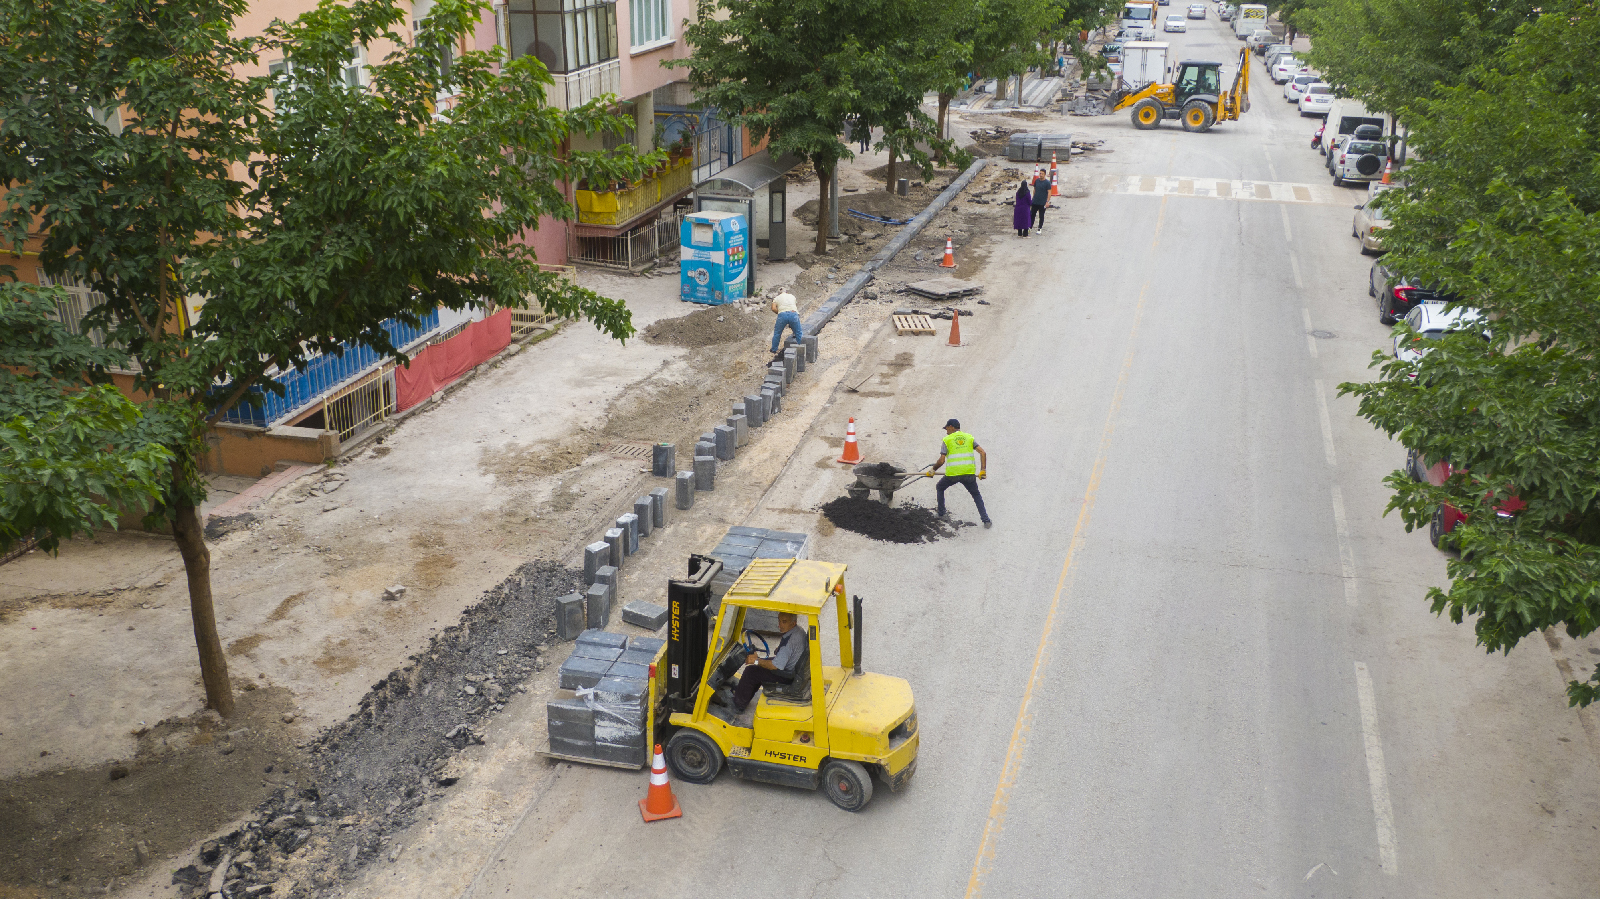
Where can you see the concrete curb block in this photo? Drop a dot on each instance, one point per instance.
(825, 313)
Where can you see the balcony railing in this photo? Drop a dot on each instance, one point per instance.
(613, 208)
(322, 374)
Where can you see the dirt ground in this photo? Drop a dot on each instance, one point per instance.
(520, 466)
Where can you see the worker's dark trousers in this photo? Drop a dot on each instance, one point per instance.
(1037, 220)
(969, 481)
(754, 678)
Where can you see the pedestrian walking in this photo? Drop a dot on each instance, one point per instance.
(956, 455)
(788, 317)
(1041, 199)
(1022, 213)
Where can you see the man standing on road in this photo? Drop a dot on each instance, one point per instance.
(1041, 199)
(957, 456)
(788, 316)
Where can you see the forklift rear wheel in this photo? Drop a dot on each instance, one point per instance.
(694, 757)
(847, 784)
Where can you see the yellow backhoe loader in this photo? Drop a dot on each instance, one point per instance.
(1195, 97)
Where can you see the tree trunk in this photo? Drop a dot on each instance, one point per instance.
(824, 176)
(191, 540)
(944, 112)
(890, 188)
(1000, 85)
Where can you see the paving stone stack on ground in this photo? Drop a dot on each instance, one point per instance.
(602, 713)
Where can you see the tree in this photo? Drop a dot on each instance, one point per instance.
(304, 227)
(74, 452)
(796, 71)
(1504, 210)
(1395, 53)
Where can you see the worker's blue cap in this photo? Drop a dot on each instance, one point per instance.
(952, 423)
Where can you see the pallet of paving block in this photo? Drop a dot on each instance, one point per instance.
(653, 710)
(913, 324)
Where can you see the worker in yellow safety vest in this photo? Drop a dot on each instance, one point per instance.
(960, 467)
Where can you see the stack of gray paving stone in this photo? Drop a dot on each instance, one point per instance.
(603, 711)
(741, 544)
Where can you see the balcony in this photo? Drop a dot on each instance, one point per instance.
(618, 208)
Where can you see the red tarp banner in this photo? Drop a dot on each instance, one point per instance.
(440, 365)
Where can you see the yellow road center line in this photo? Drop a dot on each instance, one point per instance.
(1012, 769)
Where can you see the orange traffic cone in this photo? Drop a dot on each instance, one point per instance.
(659, 803)
(852, 450)
(1037, 173)
(949, 254)
(1055, 185)
(1388, 168)
(955, 328)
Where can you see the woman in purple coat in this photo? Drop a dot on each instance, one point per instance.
(1022, 212)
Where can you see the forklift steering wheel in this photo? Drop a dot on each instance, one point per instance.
(750, 638)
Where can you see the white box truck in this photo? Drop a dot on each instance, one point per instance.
(1139, 19)
(1250, 17)
(1144, 62)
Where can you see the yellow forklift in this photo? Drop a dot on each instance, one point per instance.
(834, 727)
(1195, 97)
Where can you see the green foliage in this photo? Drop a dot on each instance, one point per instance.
(1395, 53)
(1504, 209)
(74, 452)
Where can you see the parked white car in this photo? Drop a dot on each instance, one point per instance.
(1359, 160)
(1432, 321)
(1317, 99)
(1175, 23)
(1295, 87)
(1285, 68)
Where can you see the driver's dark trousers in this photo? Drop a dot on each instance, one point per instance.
(754, 678)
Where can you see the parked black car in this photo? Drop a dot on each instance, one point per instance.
(1396, 295)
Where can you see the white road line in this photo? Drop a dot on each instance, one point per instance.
(1377, 775)
(1347, 556)
(1287, 235)
(1327, 426)
(1294, 264)
(1271, 169)
(1305, 314)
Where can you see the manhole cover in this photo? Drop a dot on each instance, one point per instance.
(1323, 335)
(627, 450)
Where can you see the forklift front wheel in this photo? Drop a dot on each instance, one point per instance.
(847, 784)
(694, 757)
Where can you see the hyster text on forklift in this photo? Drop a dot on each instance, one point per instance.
(834, 727)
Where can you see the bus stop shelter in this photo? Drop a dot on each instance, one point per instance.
(754, 186)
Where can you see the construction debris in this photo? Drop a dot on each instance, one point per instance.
(944, 288)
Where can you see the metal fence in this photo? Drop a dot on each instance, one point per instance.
(322, 375)
(635, 247)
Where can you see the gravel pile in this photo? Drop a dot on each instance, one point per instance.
(373, 771)
(904, 524)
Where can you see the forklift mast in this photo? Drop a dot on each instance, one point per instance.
(689, 631)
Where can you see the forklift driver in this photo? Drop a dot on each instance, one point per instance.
(780, 669)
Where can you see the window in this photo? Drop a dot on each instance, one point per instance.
(447, 62)
(79, 300)
(279, 70)
(110, 117)
(565, 35)
(649, 22)
(355, 67)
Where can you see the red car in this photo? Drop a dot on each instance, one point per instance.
(1446, 517)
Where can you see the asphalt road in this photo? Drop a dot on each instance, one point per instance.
(1191, 658)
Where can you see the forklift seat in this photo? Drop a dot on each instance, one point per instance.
(797, 690)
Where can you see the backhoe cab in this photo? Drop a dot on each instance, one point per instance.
(1195, 97)
(834, 727)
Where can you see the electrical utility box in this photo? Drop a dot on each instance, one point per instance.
(714, 257)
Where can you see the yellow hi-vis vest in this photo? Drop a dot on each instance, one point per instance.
(959, 457)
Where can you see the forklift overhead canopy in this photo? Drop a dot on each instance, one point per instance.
(786, 585)
(748, 175)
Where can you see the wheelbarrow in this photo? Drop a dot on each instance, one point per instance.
(884, 477)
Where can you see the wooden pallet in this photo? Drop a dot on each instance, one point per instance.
(913, 324)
